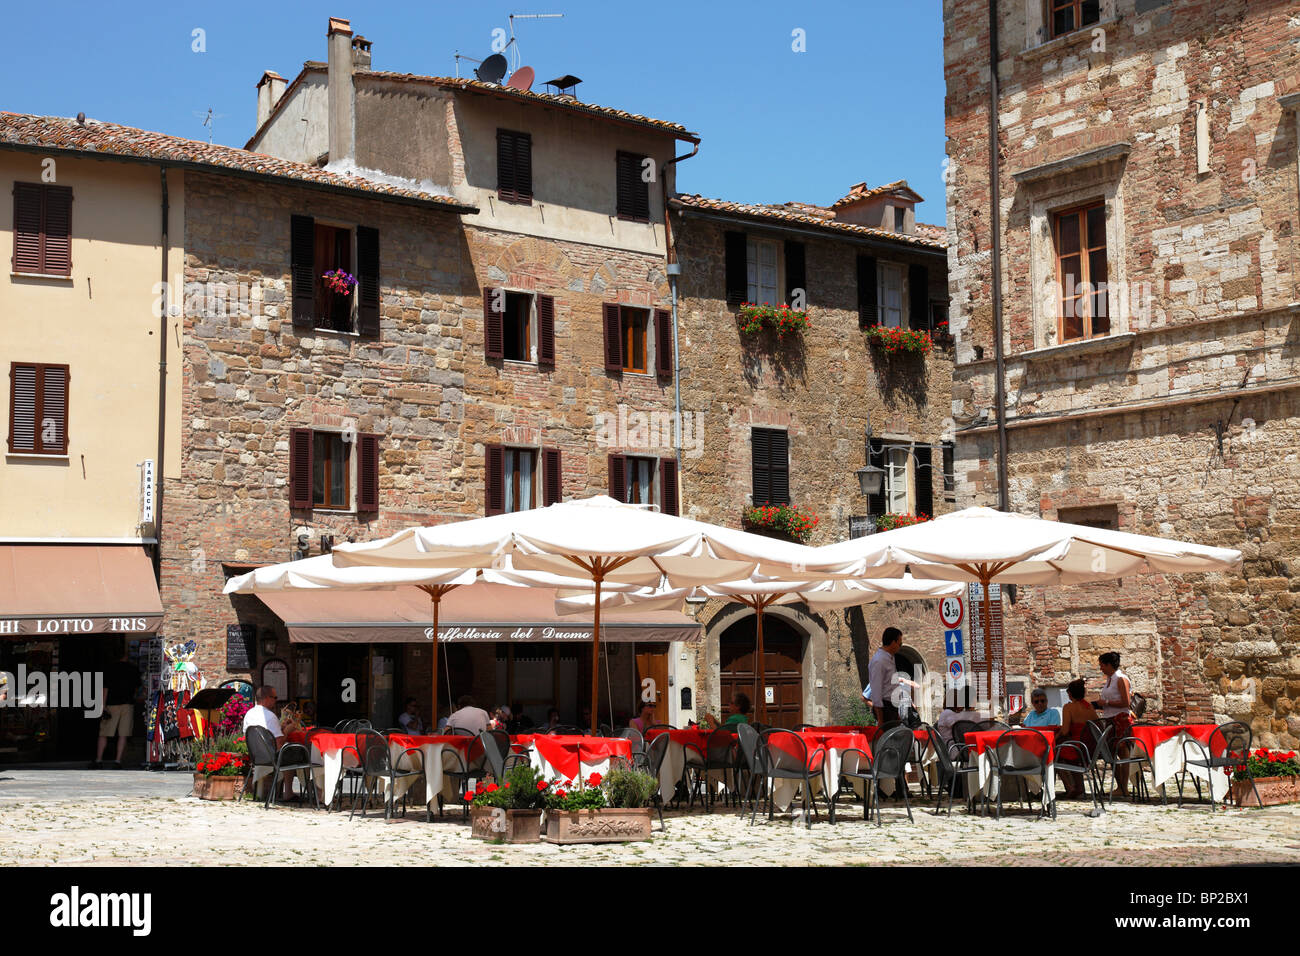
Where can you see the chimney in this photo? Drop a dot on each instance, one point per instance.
(360, 53)
(341, 96)
(269, 90)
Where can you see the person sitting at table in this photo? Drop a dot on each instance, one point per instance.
(468, 716)
(1113, 707)
(951, 714)
(552, 721)
(410, 717)
(500, 718)
(1041, 715)
(262, 714)
(1074, 726)
(646, 719)
(739, 713)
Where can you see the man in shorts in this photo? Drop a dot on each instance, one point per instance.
(120, 684)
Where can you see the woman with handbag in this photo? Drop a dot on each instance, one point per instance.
(1113, 708)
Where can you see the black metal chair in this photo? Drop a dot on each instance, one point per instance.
(654, 763)
(1109, 752)
(500, 757)
(567, 730)
(379, 765)
(291, 758)
(989, 724)
(752, 757)
(786, 757)
(1037, 770)
(345, 726)
(472, 766)
(887, 761)
(460, 732)
(633, 736)
(950, 772)
(1085, 764)
(720, 753)
(1236, 739)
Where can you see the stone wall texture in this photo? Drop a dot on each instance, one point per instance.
(1184, 421)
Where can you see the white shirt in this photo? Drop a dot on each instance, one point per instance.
(883, 676)
(473, 719)
(259, 716)
(1110, 695)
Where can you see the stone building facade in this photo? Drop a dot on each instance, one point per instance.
(1147, 167)
(820, 392)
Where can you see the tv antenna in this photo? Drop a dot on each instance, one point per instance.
(524, 16)
(492, 68)
(209, 120)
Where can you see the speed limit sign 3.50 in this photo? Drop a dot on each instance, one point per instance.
(950, 611)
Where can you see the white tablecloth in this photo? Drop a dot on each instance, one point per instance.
(1012, 755)
(434, 758)
(1167, 760)
(586, 768)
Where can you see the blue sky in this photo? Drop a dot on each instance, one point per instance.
(864, 102)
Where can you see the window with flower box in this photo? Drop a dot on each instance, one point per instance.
(335, 273)
(770, 456)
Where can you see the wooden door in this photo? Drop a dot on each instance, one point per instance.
(652, 664)
(782, 666)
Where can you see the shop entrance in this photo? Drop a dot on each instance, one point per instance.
(782, 667)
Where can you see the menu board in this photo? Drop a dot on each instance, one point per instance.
(240, 641)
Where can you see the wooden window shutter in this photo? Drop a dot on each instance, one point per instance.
(22, 408)
(924, 479)
(760, 446)
(918, 292)
(514, 166)
(796, 276)
(876, 503)
(633, 199)
(494, 336)
(302, 270)
(57, 231)
(779, 467)
(367, 280)
(737, 268)
(669, 500)
(664, 342)
(868, 295)
(505, 166)
(545, 330)
(52, 424)
(38, 409)
(523, 167)
(28, 207)
(300, 467)
(368, 474)
(613, 337)
(494, 480)
(618, 477)
(553, 477)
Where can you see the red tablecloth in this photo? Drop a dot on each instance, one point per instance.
(838, 729)
(836, 740)
(688, 737)
(567, 753)
(1026, 739)
(416, 741)
(326, 742)
(871, 733)
(1153, 736)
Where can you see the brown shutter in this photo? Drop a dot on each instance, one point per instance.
(796, 276)
(494, 336)
(618, 477)
(668, 497)
(367, 280)
(633, 199)
(524, 168)
(368, 474)
(737, 268)
(918, 295)
(300, 467)
(553, 479)
(52, 426)
(924, 478)
(302, 271)
(545, 330)
(505, 166)
(664, 342)
(22, 407)
(613, 337)
(28, 204)
(868, 297)
(494, 480)
(57, 231)
(760, 453)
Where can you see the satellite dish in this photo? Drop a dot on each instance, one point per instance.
(521, 79)
(492, 69)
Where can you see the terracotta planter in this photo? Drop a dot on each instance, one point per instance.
(608, 825)
(1272, 791)
(218, 788)
(517, 826)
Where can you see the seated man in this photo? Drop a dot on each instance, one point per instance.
(468, 716)
(1041, 715)
(410, 717)
(262, 714)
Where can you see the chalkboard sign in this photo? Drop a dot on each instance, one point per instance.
(861, 525)
(240, 640)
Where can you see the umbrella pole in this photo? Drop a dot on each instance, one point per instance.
(596, 576)
(433, 714)
(761, 701)
(985, 580)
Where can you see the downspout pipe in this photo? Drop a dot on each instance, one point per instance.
(995, 220)
(162, 387)
(674, 270)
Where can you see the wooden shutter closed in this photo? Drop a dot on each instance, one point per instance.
(613, 337)
(523, 168)
(300, 467)
(633, 192)
(22, 408)
(924, 479)
(737, 268)
(367, 280)
(27, 227)
(38, 409)
(368, 474)
(494, 480)
(52, 431)
(876, 503)
(779, 467)
(795, 273)
(760, 446)
(505, 166)
(664, 342)
(302, 270)
(545, 330)
(57, 231)
(669, 502)
(618, 477)
(42, 229)
(553, 477)
(494, 336)
(514, 166)
(868, 296)
(918, 293)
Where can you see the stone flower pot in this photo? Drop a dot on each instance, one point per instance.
(505, 826)
(218, 788)
(1272, 791)
(607, 825)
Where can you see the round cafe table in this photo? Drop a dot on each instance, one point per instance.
(685, 748)
(839, 751)
(1169, 746)
(571, 757)
(1022, 748)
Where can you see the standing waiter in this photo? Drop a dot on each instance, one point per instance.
(884, 680)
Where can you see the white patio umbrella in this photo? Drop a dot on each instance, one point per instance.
(761, 593)
(604, 539)
(985, 546)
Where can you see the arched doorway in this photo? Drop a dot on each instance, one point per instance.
(782, 666)
(911, 664)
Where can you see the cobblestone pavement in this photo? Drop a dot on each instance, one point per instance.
(112, 818)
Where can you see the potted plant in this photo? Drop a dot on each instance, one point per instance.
(1277, 777)
(889, 522)
(754, 318)
(219, 775)
(610, 809)
(509, 811)
(783, 521)
(896, 341)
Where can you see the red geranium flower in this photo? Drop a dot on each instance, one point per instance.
(593, 780)
(491, 788)
(561, 794)
(542, 785)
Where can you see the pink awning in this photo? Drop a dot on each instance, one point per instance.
(68, 589)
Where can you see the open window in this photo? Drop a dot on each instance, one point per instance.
(335, 273)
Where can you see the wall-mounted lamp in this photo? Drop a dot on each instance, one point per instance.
(269, 643)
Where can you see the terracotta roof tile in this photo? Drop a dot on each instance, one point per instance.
(934, 237)
(860, 192)
(111, 139)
